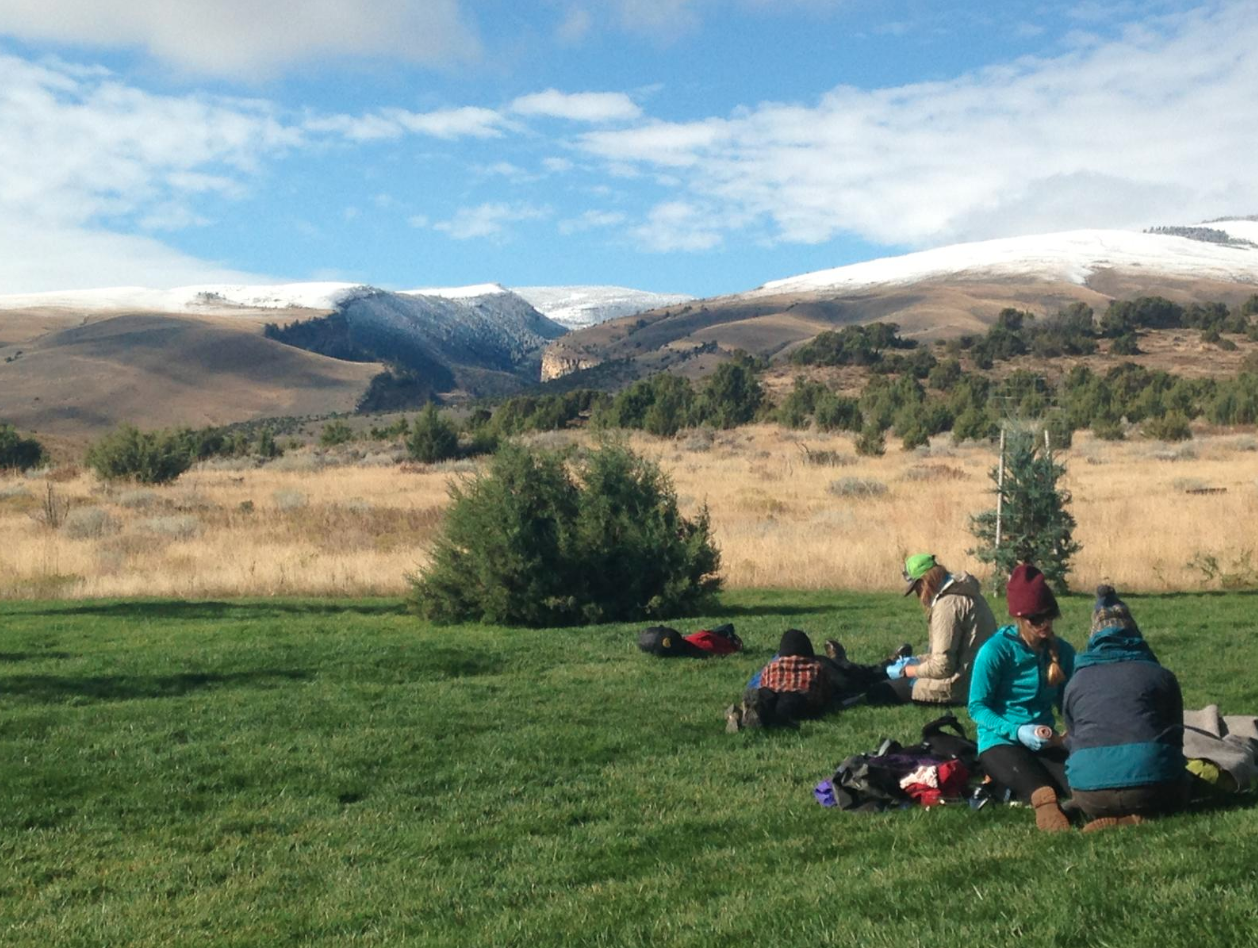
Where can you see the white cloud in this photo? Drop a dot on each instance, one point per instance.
(557, 165)
(664, 21)
(591, 220)
(488, 220)
(504, 169)
(574, 26)
(248, 38)
(172, 216)
(467, 122)
(578, 106)
(677, 225)
(82, 153)
(1154, 126)
(390, 123)
(663, 143)
(57, 257)
(357, 128)
(418, 220)
(79, 147)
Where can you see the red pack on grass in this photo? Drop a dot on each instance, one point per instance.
(669, 643)
(718, 641)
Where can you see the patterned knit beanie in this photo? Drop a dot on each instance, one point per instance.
(1110, 612)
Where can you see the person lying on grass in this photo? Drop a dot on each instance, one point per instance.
(797, 684)
(1019, 675)
(959, 622)
(1123, 713)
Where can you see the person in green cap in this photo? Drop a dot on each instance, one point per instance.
(959, 622)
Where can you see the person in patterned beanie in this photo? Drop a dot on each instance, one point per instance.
(1124, 715)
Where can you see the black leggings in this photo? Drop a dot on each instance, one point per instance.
(1024, 771)
(891, 691)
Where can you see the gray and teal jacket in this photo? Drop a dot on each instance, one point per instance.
(1009, 686)
(1124, 715)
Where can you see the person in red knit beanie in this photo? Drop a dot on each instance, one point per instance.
(1019, 676)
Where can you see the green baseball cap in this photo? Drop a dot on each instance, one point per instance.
(917, 566)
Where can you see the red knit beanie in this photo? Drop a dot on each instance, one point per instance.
(1028, 594)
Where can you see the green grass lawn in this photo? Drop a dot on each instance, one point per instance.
(318, 772)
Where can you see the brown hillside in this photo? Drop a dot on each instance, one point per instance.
(156, 370)
(690, 339)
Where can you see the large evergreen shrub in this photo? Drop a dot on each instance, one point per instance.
(731, 396)
(432, 438)
(1036, 527)
(548, 539)
(18, 452)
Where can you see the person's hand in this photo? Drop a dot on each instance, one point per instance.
(896, 669)
(1034, 736)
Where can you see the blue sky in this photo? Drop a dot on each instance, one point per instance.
(696, 146)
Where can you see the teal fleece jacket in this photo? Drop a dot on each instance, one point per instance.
(1009, 687)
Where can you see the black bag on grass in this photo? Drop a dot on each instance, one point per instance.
(958, 744)
(666, 643)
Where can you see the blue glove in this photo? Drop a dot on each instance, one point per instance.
(1028, 738)
(896, 669)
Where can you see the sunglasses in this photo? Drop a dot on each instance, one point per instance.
(1041, 619)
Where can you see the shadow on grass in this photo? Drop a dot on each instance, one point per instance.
(722, 611)
(182, 609)
(33, 656)
(1207, 800)
(56, 689)
(1191, 594)
(446, 662)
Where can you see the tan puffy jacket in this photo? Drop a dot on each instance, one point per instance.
(960, 622)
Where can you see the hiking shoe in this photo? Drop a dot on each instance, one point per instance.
(904, 651)
(733, 719)
(751, 710)
(835, 651)
(1048, 815)
(1106, 822)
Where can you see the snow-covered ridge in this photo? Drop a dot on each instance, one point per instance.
(203, 298)
(570, 306)
(580, 306)
(225, 298)
(1072, 256)
(458, 292)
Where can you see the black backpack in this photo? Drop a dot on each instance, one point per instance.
(958, 745)
(666, 643)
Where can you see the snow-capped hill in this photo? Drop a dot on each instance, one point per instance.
(580, 306)
(210, 298)
(1072, 256)
(1239, 228)
(498, 328)
(459, 292)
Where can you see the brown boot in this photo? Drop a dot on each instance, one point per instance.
(1048, 814)
(835, 652)
(1105, 822)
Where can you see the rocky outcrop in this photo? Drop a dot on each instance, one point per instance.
(558, 361)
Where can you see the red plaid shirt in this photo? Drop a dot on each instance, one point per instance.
(792, 673)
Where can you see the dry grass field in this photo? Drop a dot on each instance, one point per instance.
(790, 510)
